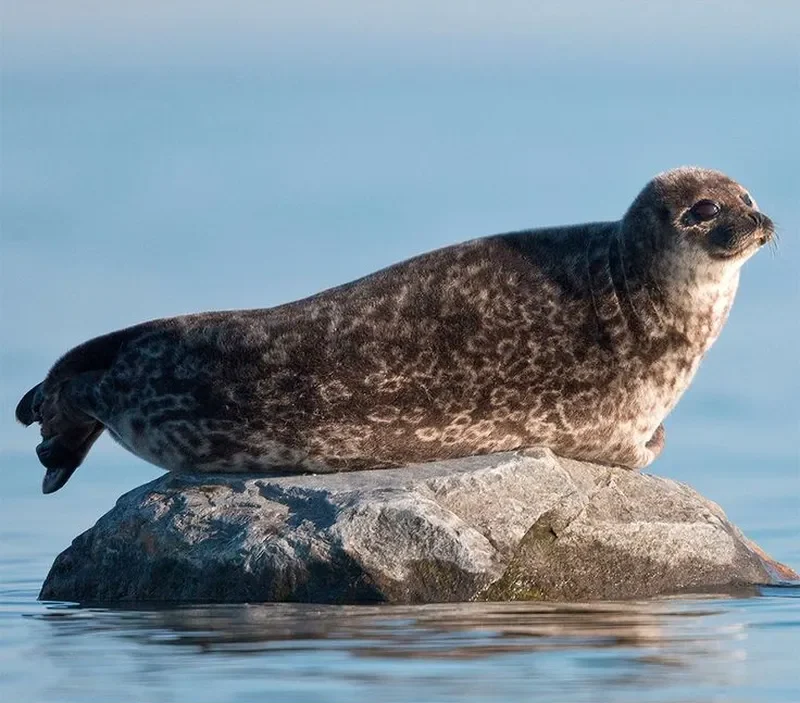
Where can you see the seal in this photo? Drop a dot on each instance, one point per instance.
(579, 338)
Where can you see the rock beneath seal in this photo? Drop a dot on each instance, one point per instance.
(507, 526)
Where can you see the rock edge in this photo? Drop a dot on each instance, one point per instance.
(514, 526)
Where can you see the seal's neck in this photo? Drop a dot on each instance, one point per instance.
(663, 292)
(697, 297)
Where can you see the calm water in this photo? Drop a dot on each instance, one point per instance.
(668, 650)
(136, 191)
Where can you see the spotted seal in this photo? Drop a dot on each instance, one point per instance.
(579, 338)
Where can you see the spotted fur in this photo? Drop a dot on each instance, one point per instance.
(578, 338)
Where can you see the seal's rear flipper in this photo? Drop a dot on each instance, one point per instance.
(64, 453)
(28, 408)
(55, 479)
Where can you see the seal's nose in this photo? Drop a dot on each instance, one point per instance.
(764, 226)
(761, 221)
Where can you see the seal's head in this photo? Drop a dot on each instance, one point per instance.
(701, 220)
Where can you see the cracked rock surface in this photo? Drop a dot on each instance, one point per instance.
(525, 525)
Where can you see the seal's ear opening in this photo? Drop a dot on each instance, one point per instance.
(662, 212)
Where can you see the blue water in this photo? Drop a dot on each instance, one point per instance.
(668, 650)
(143, 179)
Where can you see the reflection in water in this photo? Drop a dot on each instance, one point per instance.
(442, 630)
(656, 650)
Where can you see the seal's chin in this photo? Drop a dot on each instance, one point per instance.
(744, 247)
(55, 479)
(760, 238)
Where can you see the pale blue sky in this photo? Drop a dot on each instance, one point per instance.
(207, 31)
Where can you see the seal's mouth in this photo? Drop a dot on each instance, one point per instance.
(729, 241)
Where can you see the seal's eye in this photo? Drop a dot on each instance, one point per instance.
(705, 210)
(747, 200)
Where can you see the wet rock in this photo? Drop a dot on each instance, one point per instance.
(526, 525)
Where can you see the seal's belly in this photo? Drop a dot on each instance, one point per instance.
(196, 444)
(192, 444)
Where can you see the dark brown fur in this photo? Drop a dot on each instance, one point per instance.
(578, 338)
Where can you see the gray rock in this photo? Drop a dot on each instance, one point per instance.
(501, 527)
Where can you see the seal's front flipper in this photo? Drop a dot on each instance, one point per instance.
(656, 443)
(28, 408)
(64, 453)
